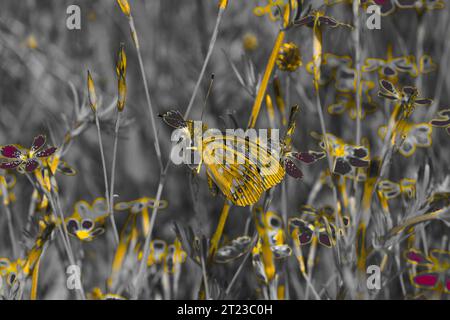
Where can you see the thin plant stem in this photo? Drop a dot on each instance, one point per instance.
(9, 219)
(105, 178)
(357, 41)
(219, 230)
(141, 271)
(212, 42)
(163, 173)
(113, 175)
(205, 278)
(56, 210)
(147, 93)
(441, 77)
(241, 266)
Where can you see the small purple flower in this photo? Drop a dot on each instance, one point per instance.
(23, 159)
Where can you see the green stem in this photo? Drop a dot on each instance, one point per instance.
(105, 178)
(113, 175)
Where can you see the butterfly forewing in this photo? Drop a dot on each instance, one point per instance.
(174, 119)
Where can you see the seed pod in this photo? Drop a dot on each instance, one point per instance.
(125, 7)
(121, 70)
(223, 4)
(91, 93)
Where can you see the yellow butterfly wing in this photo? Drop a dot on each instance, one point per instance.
(249, 167)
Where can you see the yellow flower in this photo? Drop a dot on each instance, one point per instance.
(289, 58)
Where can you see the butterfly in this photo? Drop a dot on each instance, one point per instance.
(409, 136)
(82, 223)
(391, 190)
(232, 251)
(242, 168)
(408, 97)
(433, 270)
(316, 223)
(443, 120)
(346, 156)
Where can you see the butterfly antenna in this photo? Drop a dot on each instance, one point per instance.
(207, 94)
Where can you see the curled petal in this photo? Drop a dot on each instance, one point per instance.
(10, 165)
(72, 226)
(292, 169)
(10, 151)
(46, 153)
(38, 143)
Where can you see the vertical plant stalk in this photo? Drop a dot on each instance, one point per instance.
(241, 266)
(113, 177)
(301, 262)
(265, 80)
(105, 178)
(441, 77)
(219, 230)
(35, 275)
(147, 93)
(419, 46)
(357, 41)
(142, 266)
(56, 204)
(8, 216)
(205, 278)
(212, 43)
(317, 59)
